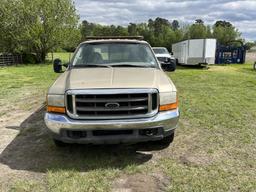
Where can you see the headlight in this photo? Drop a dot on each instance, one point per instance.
(168, 101)
(173, 60)
(56, 104)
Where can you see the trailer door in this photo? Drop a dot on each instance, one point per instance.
(184, 52)
(210, 51)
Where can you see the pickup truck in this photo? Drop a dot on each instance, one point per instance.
(167, 61)
(113, 91)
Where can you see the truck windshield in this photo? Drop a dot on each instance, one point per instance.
(114, 54)
(160, 50)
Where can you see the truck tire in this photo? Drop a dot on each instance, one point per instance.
(59, 143)
(173, 68)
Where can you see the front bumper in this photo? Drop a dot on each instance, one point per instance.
(165, 122)
(172, 62)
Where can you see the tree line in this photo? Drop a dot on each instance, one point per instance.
(162, 32)
(39, 27)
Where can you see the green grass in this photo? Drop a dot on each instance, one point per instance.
(24, 83)
(65, 57)
(214, 147)
(216, 141)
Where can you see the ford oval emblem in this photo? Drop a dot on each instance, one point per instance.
(112, 105)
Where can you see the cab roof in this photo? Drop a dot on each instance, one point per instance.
(110, 39)
(114, 41)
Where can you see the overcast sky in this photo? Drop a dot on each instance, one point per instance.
(241, 13)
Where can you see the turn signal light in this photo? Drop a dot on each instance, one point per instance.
(167, 107)
(53, 109)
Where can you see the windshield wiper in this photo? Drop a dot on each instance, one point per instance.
(93, 65)
(132, 65)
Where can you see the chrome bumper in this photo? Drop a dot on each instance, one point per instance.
(167, 121)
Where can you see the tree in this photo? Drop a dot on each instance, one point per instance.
(199, 21)
(160, 32)
(10, 26)
(250, 44)
(120, 31)
(160, 24)
(132, 29)
(198, 30)
(39, 26)
(86, 29)
(225, 32)
(175, 25)
(222, 24)
(208, 31)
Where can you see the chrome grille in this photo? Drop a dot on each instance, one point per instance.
(162, 59)
(108, 103)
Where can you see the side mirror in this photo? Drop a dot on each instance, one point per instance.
(57, 66)
(171, 53)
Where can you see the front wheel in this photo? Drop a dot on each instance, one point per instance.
(173, 67)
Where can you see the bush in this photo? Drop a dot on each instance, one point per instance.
(29, 58)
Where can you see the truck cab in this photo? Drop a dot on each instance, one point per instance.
(113, 91)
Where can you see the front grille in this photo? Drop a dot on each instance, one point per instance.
(111, 105)
(162, 59)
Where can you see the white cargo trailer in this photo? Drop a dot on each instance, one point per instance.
(195, 51)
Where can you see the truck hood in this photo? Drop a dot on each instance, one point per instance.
(116, 77)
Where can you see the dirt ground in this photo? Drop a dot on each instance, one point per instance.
(14, 159)
(155, 182)
(251, 57)
(26, 150)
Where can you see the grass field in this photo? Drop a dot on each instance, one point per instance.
(214, 148)
(65, 57)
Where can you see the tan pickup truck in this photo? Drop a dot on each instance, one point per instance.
(113, 91)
